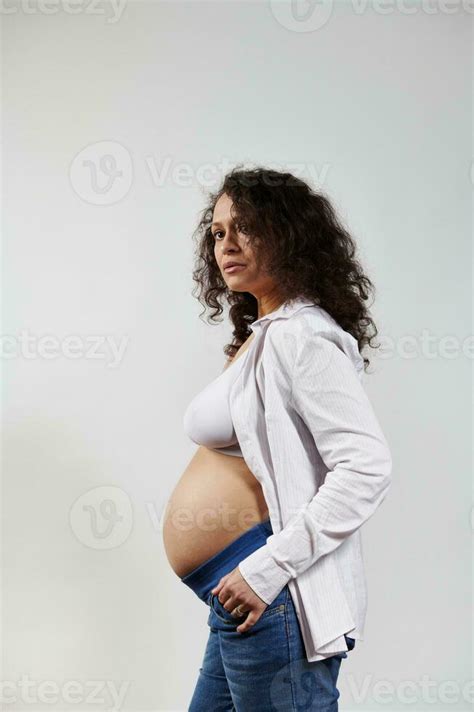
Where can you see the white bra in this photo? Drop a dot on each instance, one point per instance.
(207, 420)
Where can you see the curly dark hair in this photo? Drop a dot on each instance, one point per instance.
(296, 233)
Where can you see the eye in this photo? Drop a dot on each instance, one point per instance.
(217, 232)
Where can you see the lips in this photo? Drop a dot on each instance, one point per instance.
(235, 267)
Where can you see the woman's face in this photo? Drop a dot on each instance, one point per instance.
(232, 245)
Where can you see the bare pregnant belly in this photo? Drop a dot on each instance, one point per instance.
(215, 501)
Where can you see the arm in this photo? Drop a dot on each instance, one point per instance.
(328, 396)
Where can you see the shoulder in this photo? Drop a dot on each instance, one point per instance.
(311, 330)
(299, 328)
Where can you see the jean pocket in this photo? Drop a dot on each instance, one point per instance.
(278, 605)
(222, 613)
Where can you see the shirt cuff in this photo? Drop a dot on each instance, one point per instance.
(264, 576)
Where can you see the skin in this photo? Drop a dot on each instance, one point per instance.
(232, 243)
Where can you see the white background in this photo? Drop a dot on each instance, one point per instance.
(371, 105)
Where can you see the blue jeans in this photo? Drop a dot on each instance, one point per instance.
(264, 669)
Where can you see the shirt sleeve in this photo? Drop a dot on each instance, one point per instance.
(328, 395)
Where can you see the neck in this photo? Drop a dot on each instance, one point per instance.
(267, 304)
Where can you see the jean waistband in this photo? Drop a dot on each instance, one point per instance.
(207, 575)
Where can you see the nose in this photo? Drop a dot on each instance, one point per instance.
(229, 243)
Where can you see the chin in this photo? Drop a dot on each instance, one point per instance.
(237, 286)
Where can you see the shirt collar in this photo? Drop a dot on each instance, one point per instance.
(284, 311)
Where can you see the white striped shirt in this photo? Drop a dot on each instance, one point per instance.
(309, 434)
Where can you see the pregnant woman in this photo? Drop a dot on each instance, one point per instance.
(264, 524)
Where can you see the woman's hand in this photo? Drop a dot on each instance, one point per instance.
(232, 591)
